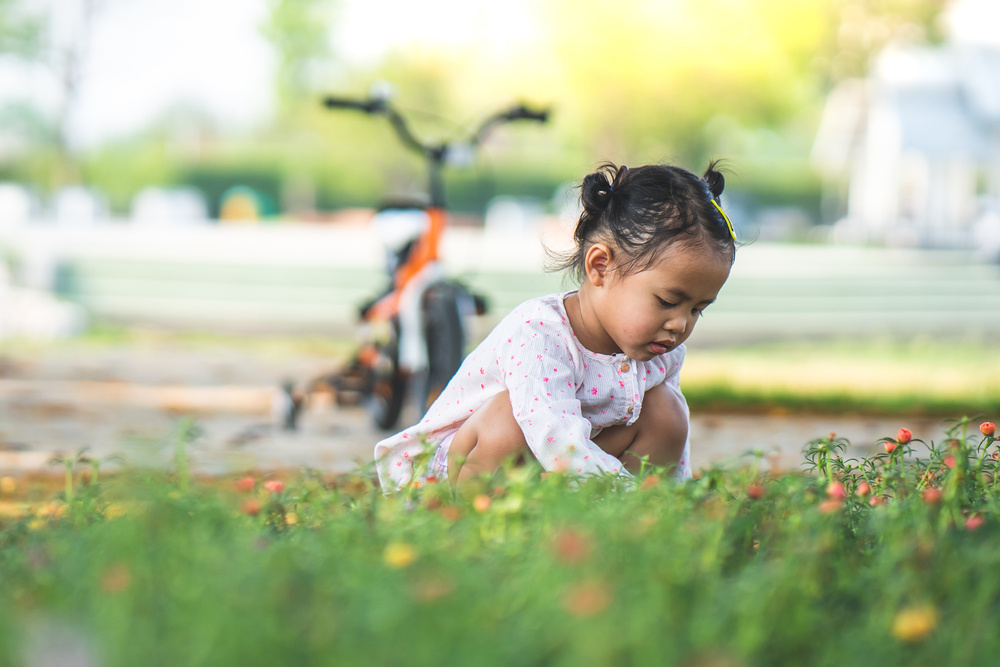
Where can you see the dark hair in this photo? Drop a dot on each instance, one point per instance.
(646, 209)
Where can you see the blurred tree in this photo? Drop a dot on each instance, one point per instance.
(646, 79)
(20, 30)
(299, 31)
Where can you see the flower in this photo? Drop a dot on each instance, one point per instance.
(274, 485)
(399, 555)
(649, 482)
(835, 490)
(974, 521)
(904, 436)
(932, 495)
(890, 446)
(863, 489)
(250, 507)
(482, 502)
(245, 484)
(914, 623)
(756, 491)
(829, 505)
(949, 461)
(116, 578)
(587, 599)
(571, 546)
(988, 429)
(875, 501)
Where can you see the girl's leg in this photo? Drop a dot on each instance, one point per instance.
(488, 439)
(659, 433)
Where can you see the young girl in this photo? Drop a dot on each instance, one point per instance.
(587, 381)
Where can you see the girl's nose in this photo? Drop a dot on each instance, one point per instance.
(676, 325)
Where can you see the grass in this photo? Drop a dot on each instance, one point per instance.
(870, 376)
(733, 568)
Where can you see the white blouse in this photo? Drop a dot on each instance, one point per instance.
(562, 394)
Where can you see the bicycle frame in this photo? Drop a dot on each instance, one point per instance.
(418, 285)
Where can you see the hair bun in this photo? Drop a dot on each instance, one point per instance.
(596, 192)
(714, 179)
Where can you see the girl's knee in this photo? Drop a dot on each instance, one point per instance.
(492, 430)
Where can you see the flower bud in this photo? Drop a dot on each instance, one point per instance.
(932, 495)
(904, 436)
(988, 429)
(863, 489)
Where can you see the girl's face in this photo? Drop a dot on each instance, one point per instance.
(653, 311)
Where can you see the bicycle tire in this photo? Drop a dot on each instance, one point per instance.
(444, 332)
(388, 384)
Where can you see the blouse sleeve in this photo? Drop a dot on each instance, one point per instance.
(542, 388)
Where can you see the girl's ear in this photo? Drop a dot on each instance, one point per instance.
(596, 264)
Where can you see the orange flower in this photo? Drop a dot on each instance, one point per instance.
(482, 502)
(904, 436)
(863, 489)
(571, 546)
(756, 491)
(829, 505)
(250, 507)
(115, 579)
(587, 599)
(274, 485)
(649, 482)
(988, 429)
(245, 484)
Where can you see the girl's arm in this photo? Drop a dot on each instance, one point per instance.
(542, 390)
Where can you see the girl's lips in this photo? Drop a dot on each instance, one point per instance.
(660, 348)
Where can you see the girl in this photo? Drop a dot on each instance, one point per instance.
(587, 381)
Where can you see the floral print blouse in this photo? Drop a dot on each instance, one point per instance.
(562, 394)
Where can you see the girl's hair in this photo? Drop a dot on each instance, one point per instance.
(644, 210)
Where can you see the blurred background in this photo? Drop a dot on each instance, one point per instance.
(177, 209)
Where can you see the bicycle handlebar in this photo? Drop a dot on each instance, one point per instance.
(379, 105)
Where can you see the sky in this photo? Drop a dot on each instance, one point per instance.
(148, 56)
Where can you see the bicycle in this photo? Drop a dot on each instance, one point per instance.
(417, 329)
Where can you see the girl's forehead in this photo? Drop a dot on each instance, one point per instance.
(691, 268)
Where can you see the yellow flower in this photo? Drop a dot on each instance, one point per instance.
(914, 623)
(399, 555)
(8, 485)
(291, 518)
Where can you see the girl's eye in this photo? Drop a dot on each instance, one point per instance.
(665, 304)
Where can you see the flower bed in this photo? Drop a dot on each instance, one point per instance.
(889, 559)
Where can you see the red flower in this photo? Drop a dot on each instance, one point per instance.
(904, 436)
(863, 489)
(245, 484)
(890, 446)
(932, 495)
(836, 491)
(988, 428)
(974, 522)
(756, 491)
(274, 485)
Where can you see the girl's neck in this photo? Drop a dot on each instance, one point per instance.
(585, 324)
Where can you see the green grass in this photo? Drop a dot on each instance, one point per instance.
(867, 376)
(733, 568)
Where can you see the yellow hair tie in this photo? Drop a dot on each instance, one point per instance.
(732, 232)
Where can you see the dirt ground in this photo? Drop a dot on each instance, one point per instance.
(128, 401)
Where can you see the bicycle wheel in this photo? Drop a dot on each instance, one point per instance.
(388, 384)
(445, 335)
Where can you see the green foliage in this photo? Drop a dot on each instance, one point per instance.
(853, 563)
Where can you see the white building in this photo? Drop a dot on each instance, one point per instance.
(918, 141)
